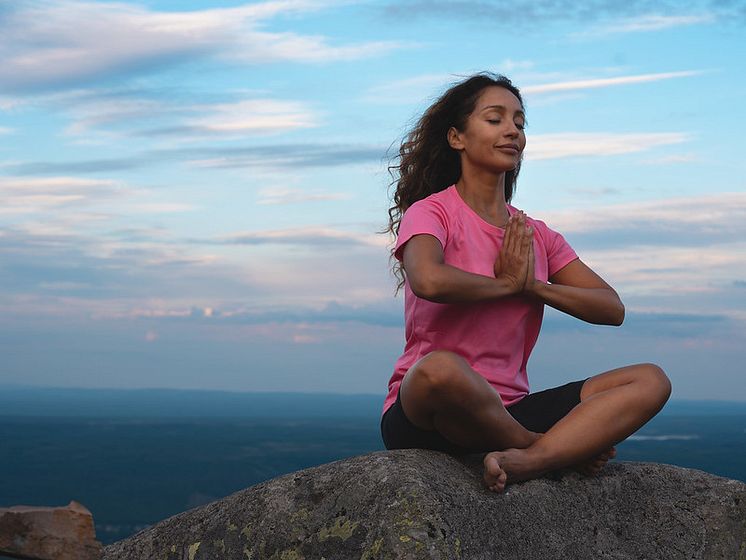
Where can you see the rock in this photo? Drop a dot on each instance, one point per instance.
(48, 533)
(424, 504)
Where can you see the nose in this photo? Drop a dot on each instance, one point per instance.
(513, 131)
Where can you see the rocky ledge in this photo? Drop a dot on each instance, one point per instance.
(424, 504)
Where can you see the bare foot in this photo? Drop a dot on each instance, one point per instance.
(594, 465)
(494, 475)
(509, 466)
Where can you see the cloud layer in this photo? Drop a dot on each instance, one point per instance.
(56, 43)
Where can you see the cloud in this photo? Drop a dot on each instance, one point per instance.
(22, 195)
(578, 144)
(642, 322)
(61, 43)
(176, 113)
(299, 156)
(274, 196)
(417, 88)
(605, 82)
(529, 14)
(305, 236)
(288, 155)
(645, 23)
(673, 159)
(679, 253)
(249, 116)
(386, 313)
(126, 163)
(6, 130)
(690, 221)
(267, 156)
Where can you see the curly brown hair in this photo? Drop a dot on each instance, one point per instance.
(426, 162)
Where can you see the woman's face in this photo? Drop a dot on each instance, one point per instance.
(493, 137)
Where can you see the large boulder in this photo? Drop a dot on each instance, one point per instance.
(425, 504)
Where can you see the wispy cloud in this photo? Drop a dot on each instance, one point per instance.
(6, 130)
(273, 196)
(645, 23)
(60, 43)
(718, 216)
(305, 236)
(578, 144)
(605, 82)
(250, 116)
(299, 156)
(529, 14)
(673, 159)
(265, 156)
(417, 88)
(22, 195)
(383, 313)
(682, 252)
(290, 155)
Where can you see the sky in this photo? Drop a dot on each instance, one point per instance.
(192, 192)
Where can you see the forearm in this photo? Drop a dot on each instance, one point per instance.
(600, 306)
(447, 284)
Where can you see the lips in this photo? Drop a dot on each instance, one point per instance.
(509, 147)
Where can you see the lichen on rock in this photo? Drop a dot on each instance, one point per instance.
(413, 504)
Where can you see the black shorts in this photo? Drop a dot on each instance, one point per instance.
(536, 412)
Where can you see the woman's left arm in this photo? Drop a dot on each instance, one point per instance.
(580, 292)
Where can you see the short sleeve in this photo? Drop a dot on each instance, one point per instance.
(559, 252)
(423, 217)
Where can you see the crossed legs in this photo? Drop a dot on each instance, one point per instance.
(441, 392)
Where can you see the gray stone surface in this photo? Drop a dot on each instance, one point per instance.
(424, 504)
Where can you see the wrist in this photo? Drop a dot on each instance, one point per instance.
(507, 287)
(537, 289)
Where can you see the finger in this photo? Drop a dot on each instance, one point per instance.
(517, 232)
(526, 239)
(510, 235)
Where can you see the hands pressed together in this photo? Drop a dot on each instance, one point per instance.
(515, 262)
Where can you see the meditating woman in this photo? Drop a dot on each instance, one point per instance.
(477, 273)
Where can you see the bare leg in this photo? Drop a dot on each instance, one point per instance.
(441, 392)
(613, 406)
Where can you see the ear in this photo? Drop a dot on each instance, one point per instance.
(454, 139)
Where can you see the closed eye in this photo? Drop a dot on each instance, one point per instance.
(519, 126)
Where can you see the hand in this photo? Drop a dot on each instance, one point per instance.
(528, 286)
(512, 263)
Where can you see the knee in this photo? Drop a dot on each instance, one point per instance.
(657, 383)
(438, 370)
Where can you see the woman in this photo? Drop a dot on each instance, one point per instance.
(478, 273)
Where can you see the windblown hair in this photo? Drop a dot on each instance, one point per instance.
(426, 162)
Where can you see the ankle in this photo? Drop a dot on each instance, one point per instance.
(542, 458)
(529, 438)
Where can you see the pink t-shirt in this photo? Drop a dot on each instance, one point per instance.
(495, 337)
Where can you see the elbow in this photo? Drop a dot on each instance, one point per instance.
(618, 315)
(425, 285)
(424, 288)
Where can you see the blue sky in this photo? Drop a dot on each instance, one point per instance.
(192, 190)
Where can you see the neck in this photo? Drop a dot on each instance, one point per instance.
(485, 194)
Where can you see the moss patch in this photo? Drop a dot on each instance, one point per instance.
(342, 528)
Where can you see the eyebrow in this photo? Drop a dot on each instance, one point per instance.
(502, 108)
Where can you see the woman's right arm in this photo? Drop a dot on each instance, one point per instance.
(432, 279)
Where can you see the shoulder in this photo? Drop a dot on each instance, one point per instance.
(441, 199)
(437, 206)
(431, 216)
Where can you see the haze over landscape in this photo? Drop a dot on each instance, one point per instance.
(192, 191)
